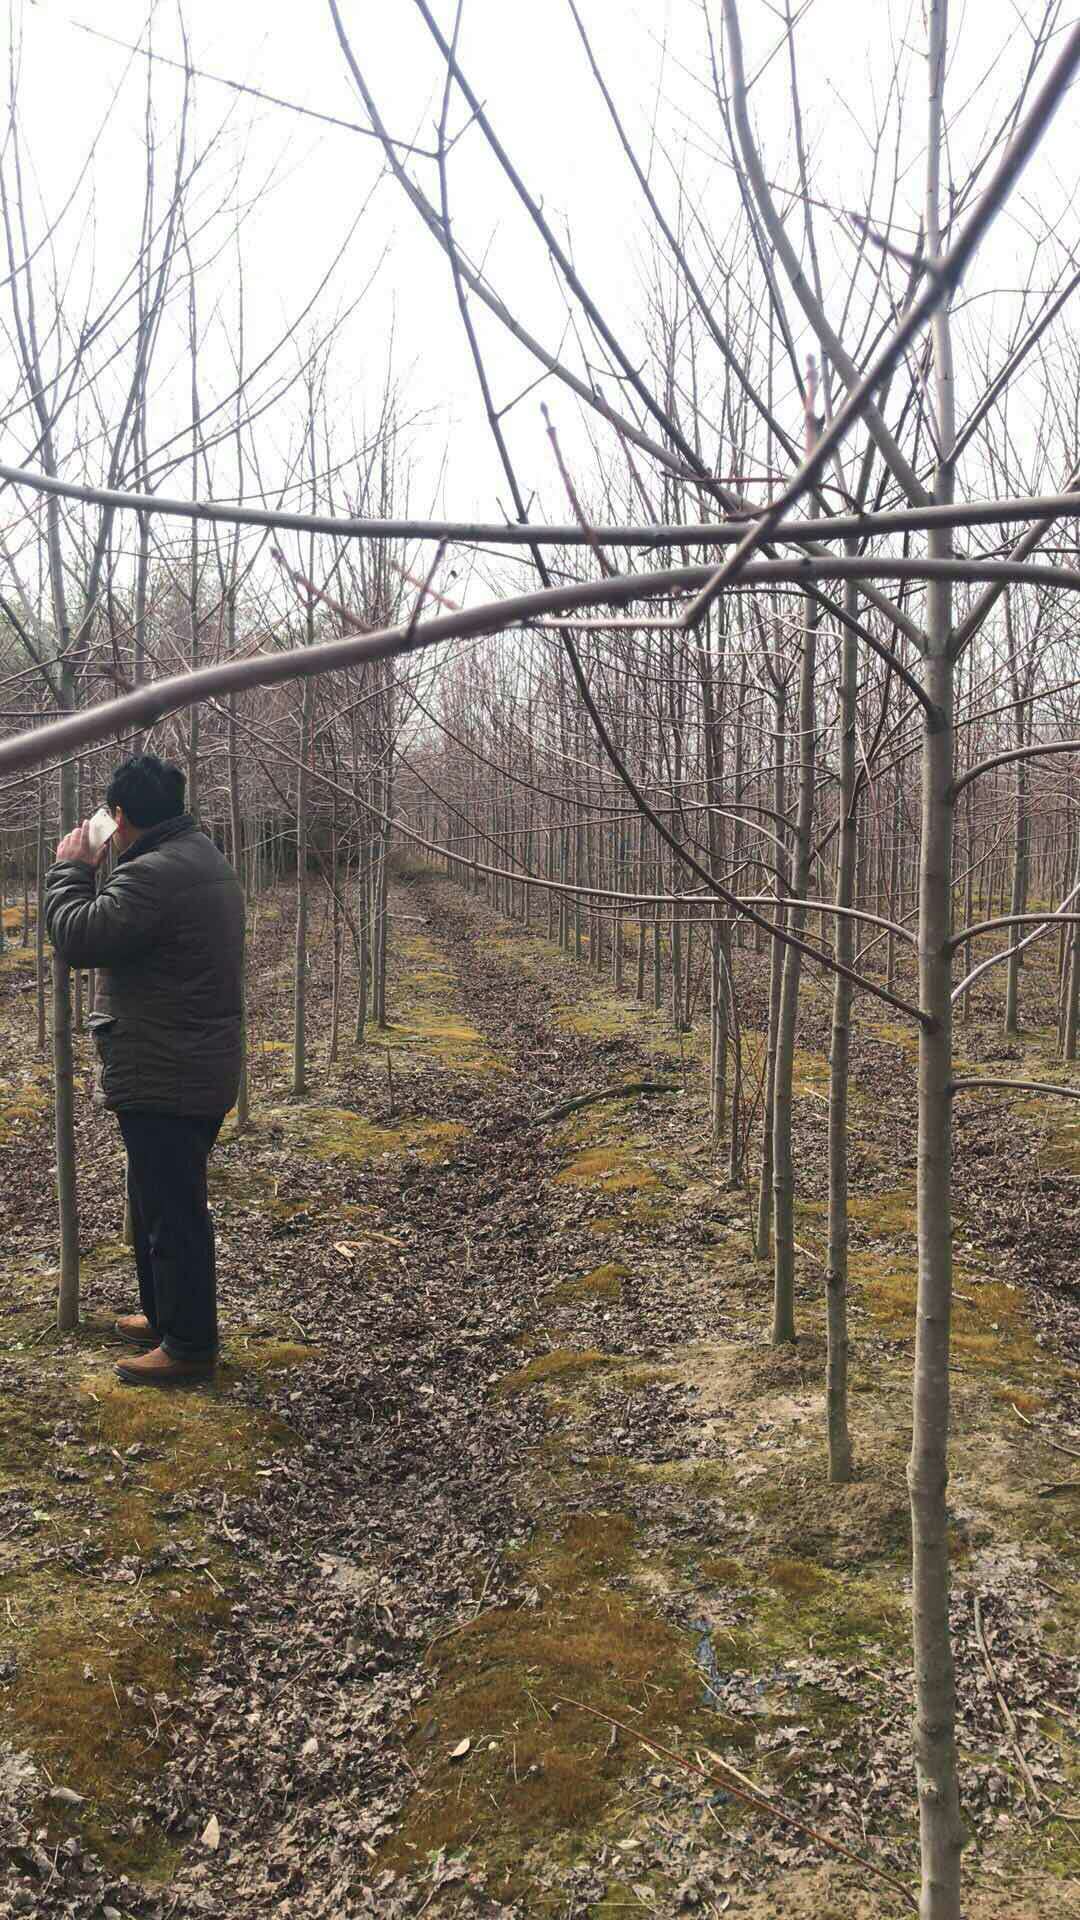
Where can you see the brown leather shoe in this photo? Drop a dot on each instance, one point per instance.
(135, 1330)
(161, 1369)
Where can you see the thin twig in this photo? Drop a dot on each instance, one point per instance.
(746, 1790)
(623, 1092)
(1004, 1708)
(1059, 1447)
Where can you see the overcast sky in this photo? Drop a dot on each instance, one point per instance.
(303, 183)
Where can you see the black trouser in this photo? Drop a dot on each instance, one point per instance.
(174, 1235)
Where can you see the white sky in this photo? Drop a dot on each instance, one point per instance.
(527, 64)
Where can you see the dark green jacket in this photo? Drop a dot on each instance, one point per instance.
(166, 932)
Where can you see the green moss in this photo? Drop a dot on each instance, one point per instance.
(603, 1283)
(197, 1436)
(428, 1028)
(25, 1429)
(1028, 1404)
(990, 1328)
(93, 1641)
(331, 1133)
(272, 1356)
(636, 1379)
(700, 1476)
(517, 1683)
(894, 1034)
(88, 1668)
(810, 1073)
(798, 1607)
(236, 1188)
(796, 1577)
(716, 1570)
(454, 1044)
(610, 1169)
(649, 1211)
(20, 1106)
(619, 1899)
(556, 1368)
(599, 1020)
(891, 1212)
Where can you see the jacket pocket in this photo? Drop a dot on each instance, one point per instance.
(103, 1028)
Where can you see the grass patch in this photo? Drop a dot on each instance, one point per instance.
(716, 1570)
(273, 1356)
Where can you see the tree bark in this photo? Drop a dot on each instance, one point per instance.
(941, 1831)
(783, 1156)
(299, 1049)
(763, 1224)
(836, 1272)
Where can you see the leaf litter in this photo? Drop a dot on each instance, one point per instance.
(407, 1521)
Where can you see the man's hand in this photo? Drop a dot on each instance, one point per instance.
(76, 846)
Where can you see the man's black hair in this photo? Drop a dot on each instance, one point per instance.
(149, 790)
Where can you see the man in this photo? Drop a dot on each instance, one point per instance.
(166, 932)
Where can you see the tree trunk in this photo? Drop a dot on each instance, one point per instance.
(236, 832)
(941, 1831)
(935, 1693)
(1018, 899)
(67, 1302)
(783, 1157)
(39, 923)
(363, 915)
(836, 1272)
(1072, 987)
(763, 1226)
(67, 1310)
(299, 1052)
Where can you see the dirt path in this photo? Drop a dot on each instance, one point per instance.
(500, 1432)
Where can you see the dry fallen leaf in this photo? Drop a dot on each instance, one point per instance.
(211, 1834)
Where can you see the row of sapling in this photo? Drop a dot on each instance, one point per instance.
(936, 636)
(80, 607)
(696, 766)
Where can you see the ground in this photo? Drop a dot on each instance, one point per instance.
(500, 1574)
